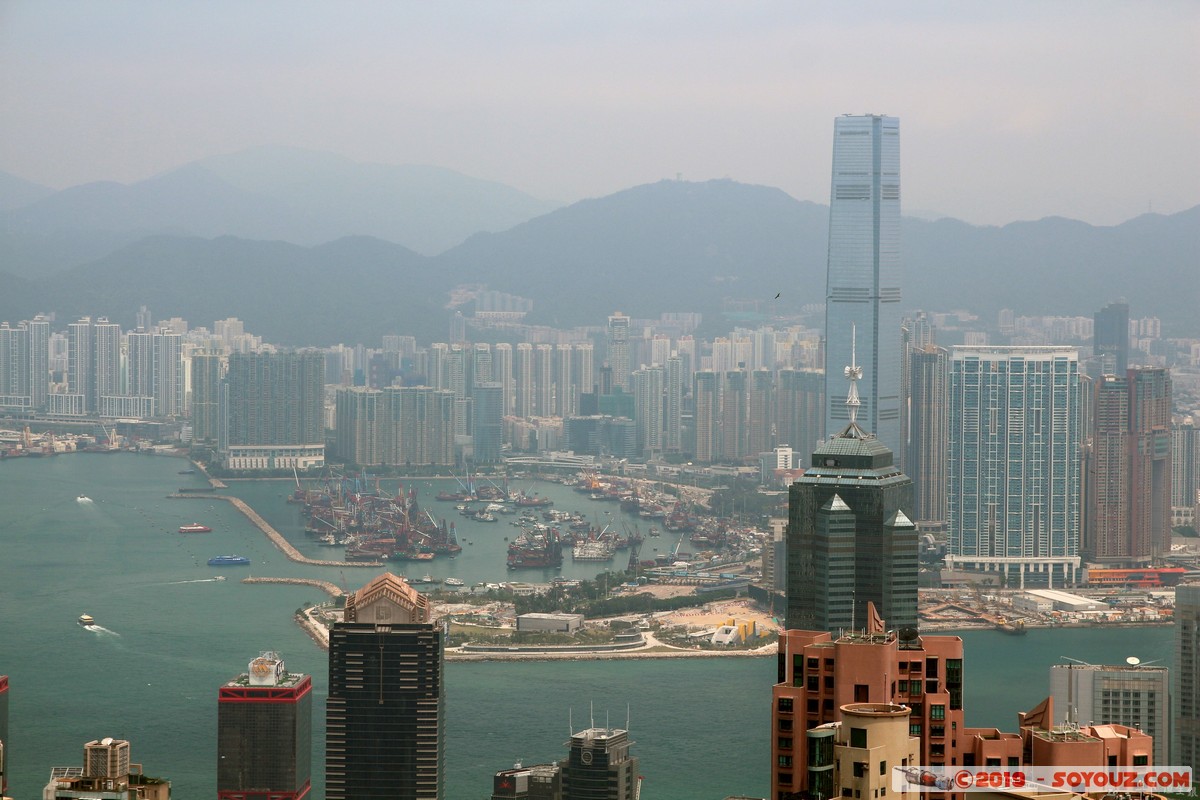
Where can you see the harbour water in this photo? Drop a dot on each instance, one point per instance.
(168, 635)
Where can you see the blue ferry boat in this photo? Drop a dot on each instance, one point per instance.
(228, 561)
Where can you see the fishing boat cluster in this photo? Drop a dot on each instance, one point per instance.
(351, 511)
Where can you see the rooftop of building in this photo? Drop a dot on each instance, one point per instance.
(1062, 597)
(598, 735)
(1065, 733)
(532, 769)
(287, 680)
(1008, 351)
(854, 438)
(853, 448)
(392, 588)
(865, 637)
(1112, 667)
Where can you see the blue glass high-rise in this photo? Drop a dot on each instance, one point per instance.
(863, 272)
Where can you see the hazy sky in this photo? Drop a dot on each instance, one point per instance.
(1008, 110)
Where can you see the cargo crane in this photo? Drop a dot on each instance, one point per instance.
(635, 548)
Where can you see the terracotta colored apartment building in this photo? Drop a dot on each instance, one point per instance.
(819, 673)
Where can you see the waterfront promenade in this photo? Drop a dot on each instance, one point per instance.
(275, 536)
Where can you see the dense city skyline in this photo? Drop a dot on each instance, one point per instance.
(337, 256)
(516, 94)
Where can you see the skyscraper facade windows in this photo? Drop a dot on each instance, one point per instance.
(276, 410)
(863, 271)
(264, 733)
(618, 349)
(1013, 488)
(384, 715)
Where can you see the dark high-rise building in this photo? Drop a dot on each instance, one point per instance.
(396, 425)
(928, 434)
(384, 713)
(15, 390)
(139, 363)
(733, 415)
(648, 384)
(1128, 495)
(206, 397)
(543, 380)
(3, 734)
(1110, 338)
(759, 417)
(673, 405)
(276, 410)
(1185, 468)
(264, 733)
(168, 374)
(1185, 684)
(358, 425)
(707, 416)
(850, 538)
(599, 767)
(488, 431)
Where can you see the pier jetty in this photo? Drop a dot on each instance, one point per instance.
(328, 588)
(275, 536)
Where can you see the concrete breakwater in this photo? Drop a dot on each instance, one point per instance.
(275, 536)
(330, 589)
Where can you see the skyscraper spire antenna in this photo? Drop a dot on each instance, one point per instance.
(853, 374)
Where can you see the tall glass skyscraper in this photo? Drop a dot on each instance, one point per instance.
(1013, 468)
(863, 278)
(384, 715)
(1110, 338)
(1127, 516)
(618, 349)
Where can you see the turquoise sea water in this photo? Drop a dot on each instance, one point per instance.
(171, 635)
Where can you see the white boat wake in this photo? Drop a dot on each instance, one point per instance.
(100, 629)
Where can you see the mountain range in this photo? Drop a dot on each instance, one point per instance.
(273, 193)
(221, 238)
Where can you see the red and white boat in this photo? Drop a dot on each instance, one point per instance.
(195, 527)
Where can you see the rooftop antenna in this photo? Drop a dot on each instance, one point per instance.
(591, 713)
(1134, 661)
(853, 374)
(627, 717)
(570, 722)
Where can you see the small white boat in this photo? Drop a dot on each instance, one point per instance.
(83, 498)
(454, 582)
(86, 620)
